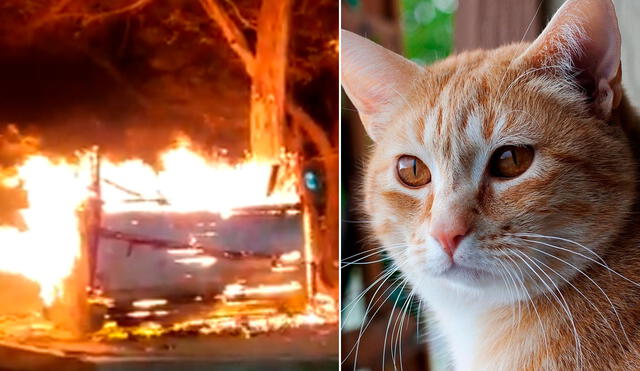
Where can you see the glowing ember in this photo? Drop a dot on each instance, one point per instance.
(321, 311)
(283, 269)
(188, 252)
(149, 303)
(203, 261)
(139, 314)
(46, 250)
(291, 257)
(238, 289)
(100, 300)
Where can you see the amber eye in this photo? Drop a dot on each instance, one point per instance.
(510, 161)
(413, 172)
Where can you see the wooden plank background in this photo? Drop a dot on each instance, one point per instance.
(489, 24)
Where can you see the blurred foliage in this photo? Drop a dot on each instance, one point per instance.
(428, 29)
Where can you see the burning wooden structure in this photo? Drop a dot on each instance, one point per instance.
(206, 245)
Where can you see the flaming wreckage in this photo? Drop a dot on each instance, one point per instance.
(130, 254)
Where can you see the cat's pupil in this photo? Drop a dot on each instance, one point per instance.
(412, 172)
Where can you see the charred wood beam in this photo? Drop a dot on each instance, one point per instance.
(123, 189)
(139, 197)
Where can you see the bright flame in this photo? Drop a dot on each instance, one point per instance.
(188, 181)
(46, 251)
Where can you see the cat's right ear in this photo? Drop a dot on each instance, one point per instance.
(583, 39)
(376, 80)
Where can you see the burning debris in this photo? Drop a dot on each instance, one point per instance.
(268, 288)
(322, 311)
(56, 189)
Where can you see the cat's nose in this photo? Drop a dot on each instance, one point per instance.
(450, 235)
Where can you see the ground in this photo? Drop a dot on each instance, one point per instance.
(314, 348)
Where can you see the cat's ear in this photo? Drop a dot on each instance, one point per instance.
(583, 37)
(375, 79)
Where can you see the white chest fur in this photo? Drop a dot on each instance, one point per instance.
(460, 320)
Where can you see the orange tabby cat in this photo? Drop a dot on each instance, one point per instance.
(504, 185)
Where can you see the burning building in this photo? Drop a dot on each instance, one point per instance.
(168, 181)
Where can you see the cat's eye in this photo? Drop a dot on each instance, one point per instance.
(510, 161)
(412, 172)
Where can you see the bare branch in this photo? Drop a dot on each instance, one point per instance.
(236, 39)
(56, 13)
(234, 8)
(129, 8)
(314, 132)
(113, 72)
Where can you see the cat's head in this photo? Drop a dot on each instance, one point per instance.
(499, 160)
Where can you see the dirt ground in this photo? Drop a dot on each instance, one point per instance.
(313, 348)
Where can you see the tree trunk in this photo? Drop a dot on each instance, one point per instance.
(268, 81)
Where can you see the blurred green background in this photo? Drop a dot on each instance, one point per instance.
(428, 29)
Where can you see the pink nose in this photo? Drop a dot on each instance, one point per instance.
(450, 235)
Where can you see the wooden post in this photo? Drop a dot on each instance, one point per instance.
(268, 84)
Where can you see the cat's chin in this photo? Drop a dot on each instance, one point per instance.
(467, 276)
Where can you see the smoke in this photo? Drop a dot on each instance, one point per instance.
(14, 148)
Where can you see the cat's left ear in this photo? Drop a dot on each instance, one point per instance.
(376, 80)
(583, 37)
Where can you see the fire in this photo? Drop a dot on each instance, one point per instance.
(46, 250)
(321, 311)
(189, 182)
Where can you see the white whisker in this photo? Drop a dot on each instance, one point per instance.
(615, 311)
(561, 301)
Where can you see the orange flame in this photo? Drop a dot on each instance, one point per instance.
(46, 251)
(190, 182)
